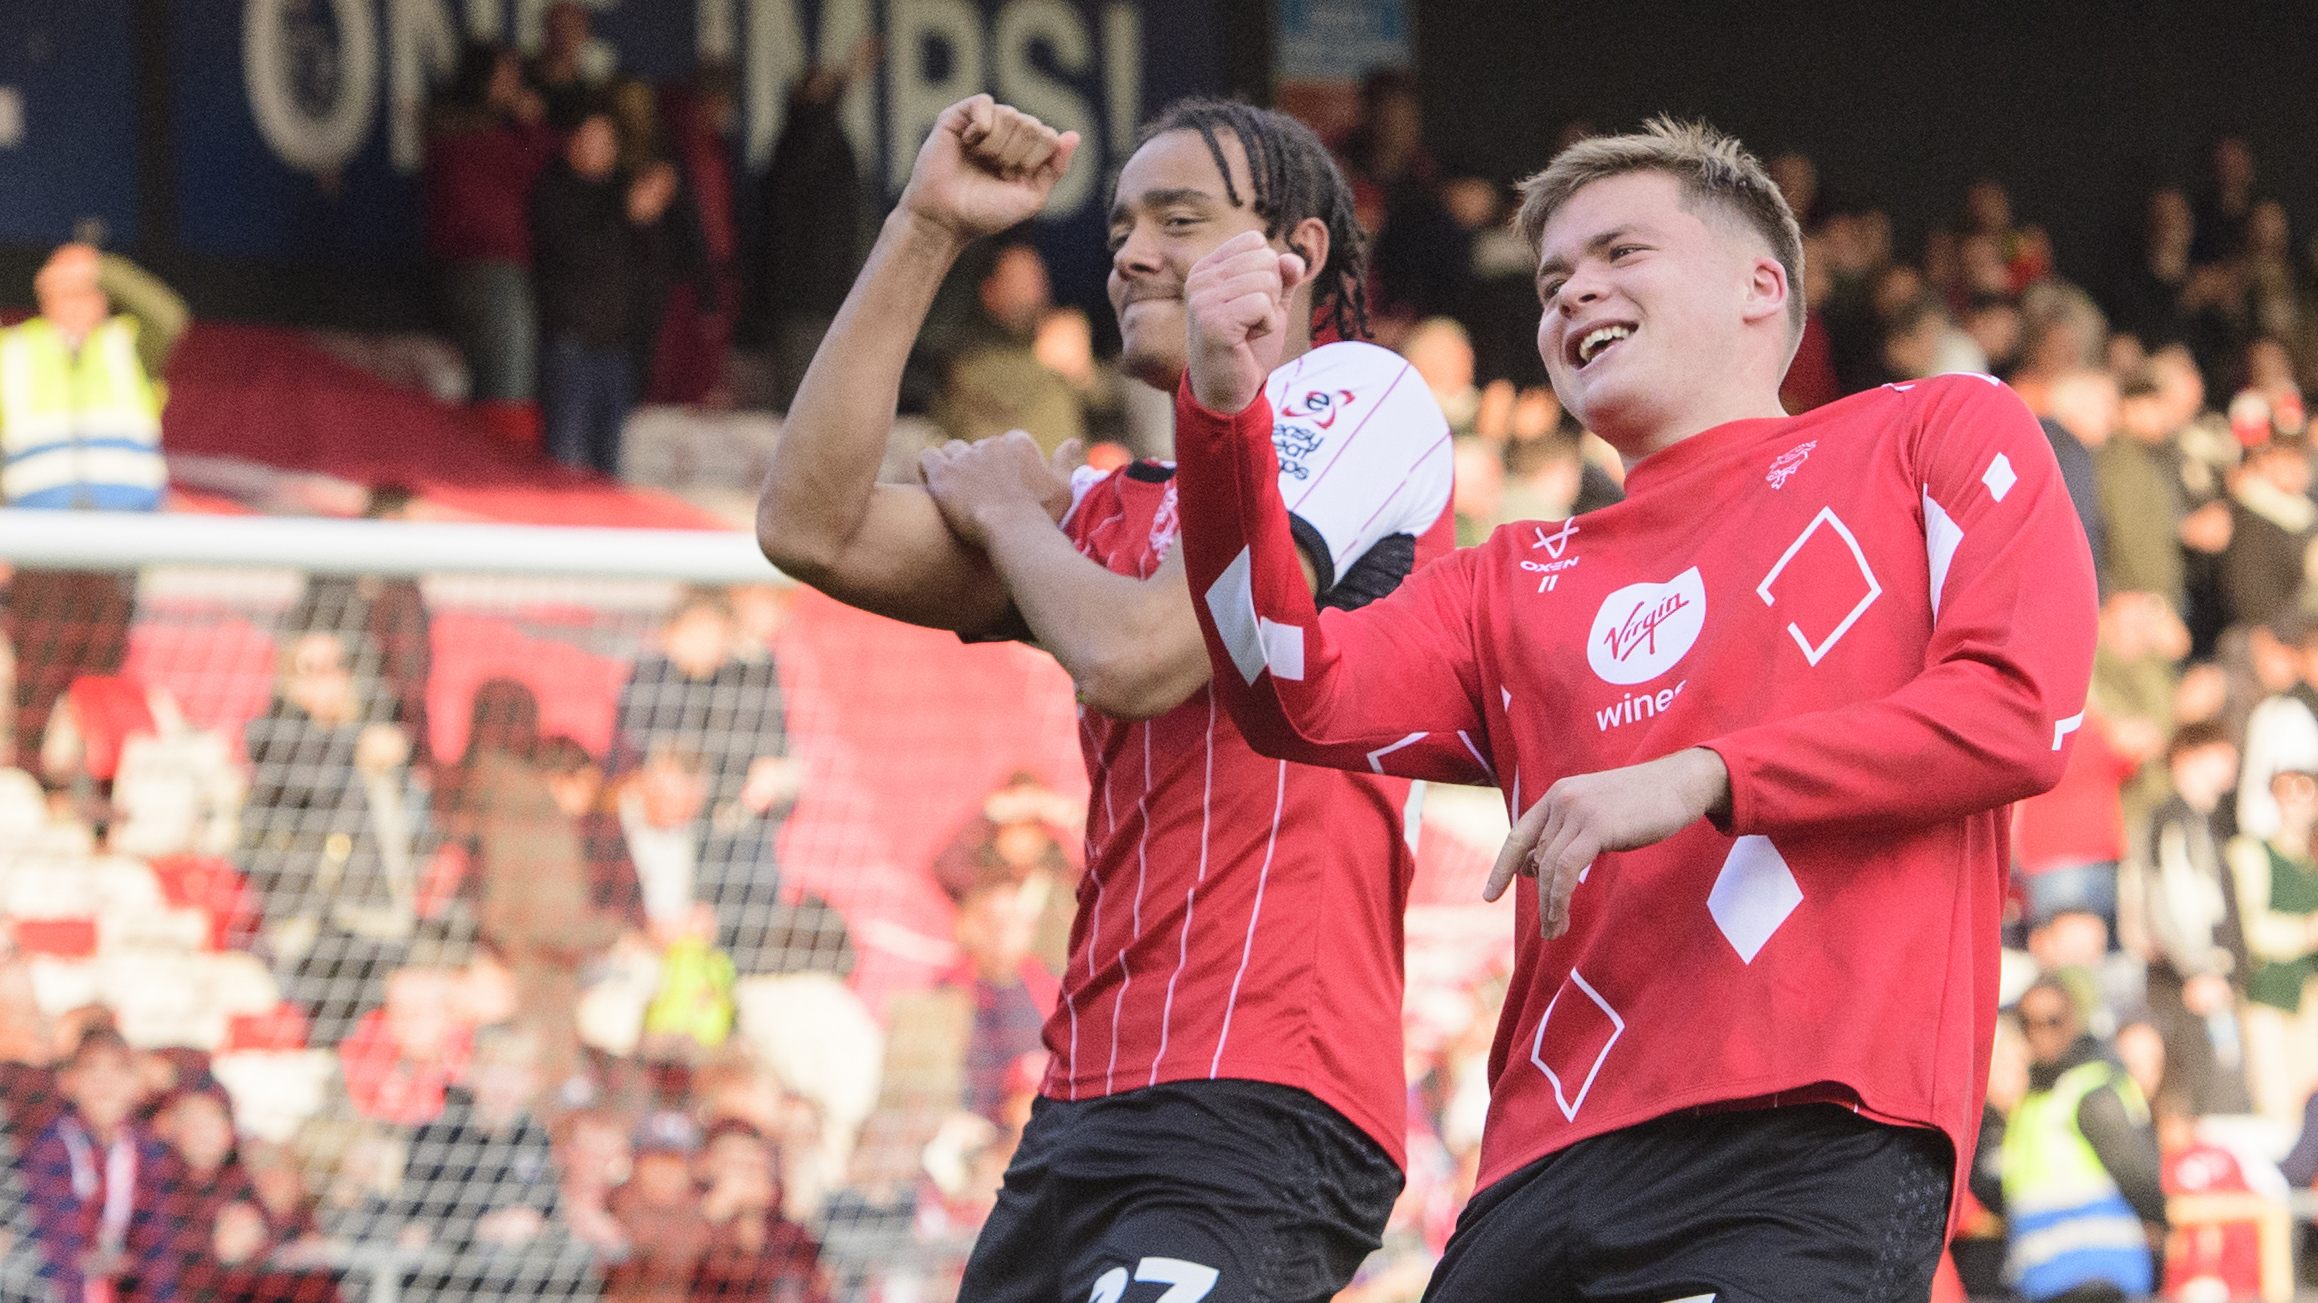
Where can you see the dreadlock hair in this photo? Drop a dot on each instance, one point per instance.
(1294, 178)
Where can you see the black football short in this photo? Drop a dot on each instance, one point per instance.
(1790, 1205)
(1187, 1192)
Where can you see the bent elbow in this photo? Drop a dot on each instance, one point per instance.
(799, 553)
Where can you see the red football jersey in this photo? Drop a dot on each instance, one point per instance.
(1241, 917)
(1880, 614)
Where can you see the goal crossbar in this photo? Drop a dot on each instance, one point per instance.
(125, 540)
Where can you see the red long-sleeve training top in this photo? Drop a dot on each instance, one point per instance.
(1880, 614)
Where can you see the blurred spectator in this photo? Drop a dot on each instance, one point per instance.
(589, 222)
(1500, 305)
(487, 140)
(328, 830)
(2272, 521)
(1137, 419)
(754, 1254)
(2081, 474)
(569, 67)
(708, 694)
(2225, 202)
(2145, 301)
(592, 1153)
(2207, 1258)
(1440, 351)
(674, 242)
(391, 613)
(78, 374)
(2077, 1174)
(659, 1210)
(227, 1233)
(401, 1059)
(659, 812)
(95, 1178)
(697, 326)
(2196, 976)
(996, 382)
(1000, 871)
(479, 1187)
(2062, 331)
(2140, 496)
(1921, 340)
(2024, 251)
(815, 218)
(1419, 258)
(576, 782)
(2277, 895)
(2068, 841)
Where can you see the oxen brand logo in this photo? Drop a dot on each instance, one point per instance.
(1783, 468)
(1298, 425)
(1643, 629)
(1549, 572)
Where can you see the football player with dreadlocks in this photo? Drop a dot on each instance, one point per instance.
(1223, 1116)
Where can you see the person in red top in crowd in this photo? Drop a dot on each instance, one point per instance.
(1757, 724)
(2205, 1258)
(1224, 1112)
(2068, 841)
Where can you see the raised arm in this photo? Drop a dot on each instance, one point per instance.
(1389, 688)
(824, 518)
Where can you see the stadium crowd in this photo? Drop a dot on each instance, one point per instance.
(316, 1006)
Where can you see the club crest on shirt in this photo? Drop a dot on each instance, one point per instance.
(1299, 425)
(1165, 522)
(1783, 467)
(1641, 630)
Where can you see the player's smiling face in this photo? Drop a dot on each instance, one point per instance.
(1644, 302)
(1171, 210)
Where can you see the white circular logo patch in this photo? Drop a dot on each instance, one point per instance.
(1643, 629)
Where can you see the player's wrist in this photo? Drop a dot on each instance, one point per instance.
(1218, 386)
(926, 230)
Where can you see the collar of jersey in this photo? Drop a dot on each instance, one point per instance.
(1702, 452)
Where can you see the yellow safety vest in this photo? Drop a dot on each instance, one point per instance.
(2069, 1224)
(79, 428)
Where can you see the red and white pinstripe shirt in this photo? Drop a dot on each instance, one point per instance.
(1241, 917)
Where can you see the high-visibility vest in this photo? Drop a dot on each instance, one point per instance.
(79, 428)
(2068, 1222)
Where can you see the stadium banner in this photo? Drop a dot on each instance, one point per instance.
(68, 121)
(297, 123)
(1323, 50)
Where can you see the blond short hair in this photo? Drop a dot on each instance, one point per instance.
(1712, 167)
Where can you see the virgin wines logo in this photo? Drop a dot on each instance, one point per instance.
(1643, 629)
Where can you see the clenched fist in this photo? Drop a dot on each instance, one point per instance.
(1237, 302)
(978, 483)
(986, 167)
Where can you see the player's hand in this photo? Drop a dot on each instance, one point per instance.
(1237, 301)
(1616, 810)
(978, 484)
(985, 167)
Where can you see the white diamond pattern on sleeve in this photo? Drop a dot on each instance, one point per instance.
(1942, 536)
(2000, 477)
(1231, 600)
(1753, 895)
(1283, 648)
